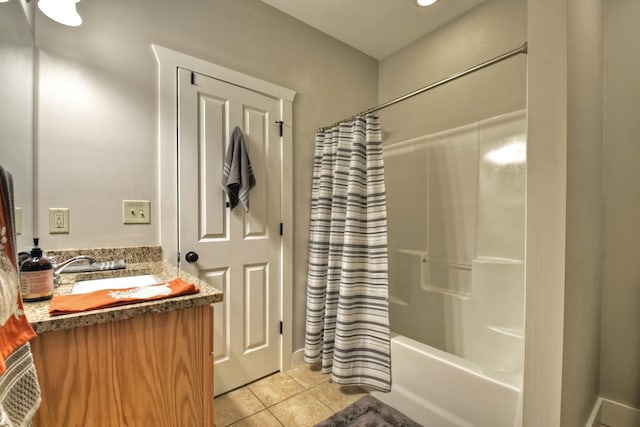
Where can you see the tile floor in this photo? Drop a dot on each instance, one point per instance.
(300, 397)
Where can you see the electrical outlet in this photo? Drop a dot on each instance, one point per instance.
(58, 220)
(136, 212)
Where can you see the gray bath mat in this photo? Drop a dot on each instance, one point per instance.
(368, 412)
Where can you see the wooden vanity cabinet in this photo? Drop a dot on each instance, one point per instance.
(154, 370)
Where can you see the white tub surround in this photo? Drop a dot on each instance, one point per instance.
(456, 273)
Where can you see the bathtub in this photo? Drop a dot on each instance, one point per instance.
(477, 381)
(439, 389)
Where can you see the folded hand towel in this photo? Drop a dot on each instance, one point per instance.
(65, 304)
(237, 175)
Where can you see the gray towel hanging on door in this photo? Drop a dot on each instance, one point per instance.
(237, 175)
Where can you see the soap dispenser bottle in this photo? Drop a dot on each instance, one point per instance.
(36, 276)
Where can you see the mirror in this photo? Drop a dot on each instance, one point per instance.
(16, 118)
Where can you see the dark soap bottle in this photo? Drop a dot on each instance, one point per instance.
(36, 276)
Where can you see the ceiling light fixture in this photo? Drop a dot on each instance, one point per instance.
(62, 11)
(425, 3)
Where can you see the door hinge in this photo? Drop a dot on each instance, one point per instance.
(280, 123)
(193, 78)
(178, 260)
(281, 229)
(280, 328)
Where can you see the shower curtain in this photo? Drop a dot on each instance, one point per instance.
(347, 326)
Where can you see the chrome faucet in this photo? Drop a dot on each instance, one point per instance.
(58, 267)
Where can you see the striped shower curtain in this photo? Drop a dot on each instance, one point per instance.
(347, 326)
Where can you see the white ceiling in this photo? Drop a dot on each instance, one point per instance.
(375, 27)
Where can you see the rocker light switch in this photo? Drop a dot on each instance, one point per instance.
(136, 212)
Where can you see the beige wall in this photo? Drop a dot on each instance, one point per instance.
(564, 211)
(584, 220)
(488, 30)
(620, 350)
(97, 111)
(546, 210)
(583, 103)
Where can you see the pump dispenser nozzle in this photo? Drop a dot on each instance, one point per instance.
(36, 252)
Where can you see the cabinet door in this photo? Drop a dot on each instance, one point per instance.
(153, 370)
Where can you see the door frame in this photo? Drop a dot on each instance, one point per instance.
(168, 63)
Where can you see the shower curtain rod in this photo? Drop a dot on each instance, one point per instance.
(521, 50)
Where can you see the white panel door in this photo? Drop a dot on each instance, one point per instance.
(238, 252)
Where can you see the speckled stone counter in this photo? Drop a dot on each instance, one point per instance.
(42, 322)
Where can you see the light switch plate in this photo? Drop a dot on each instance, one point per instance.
(58, 220)
(18, 218)
(136, 212)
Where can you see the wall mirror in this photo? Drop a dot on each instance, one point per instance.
(16, 115)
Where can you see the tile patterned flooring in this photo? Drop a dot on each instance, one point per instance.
(300, 397)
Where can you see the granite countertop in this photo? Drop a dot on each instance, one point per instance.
(41, 321)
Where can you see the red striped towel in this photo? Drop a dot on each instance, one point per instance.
(19, 388)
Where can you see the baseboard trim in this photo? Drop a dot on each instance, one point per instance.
(297, 358)
(611, 413)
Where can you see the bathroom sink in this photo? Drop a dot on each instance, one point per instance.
(86, 286)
